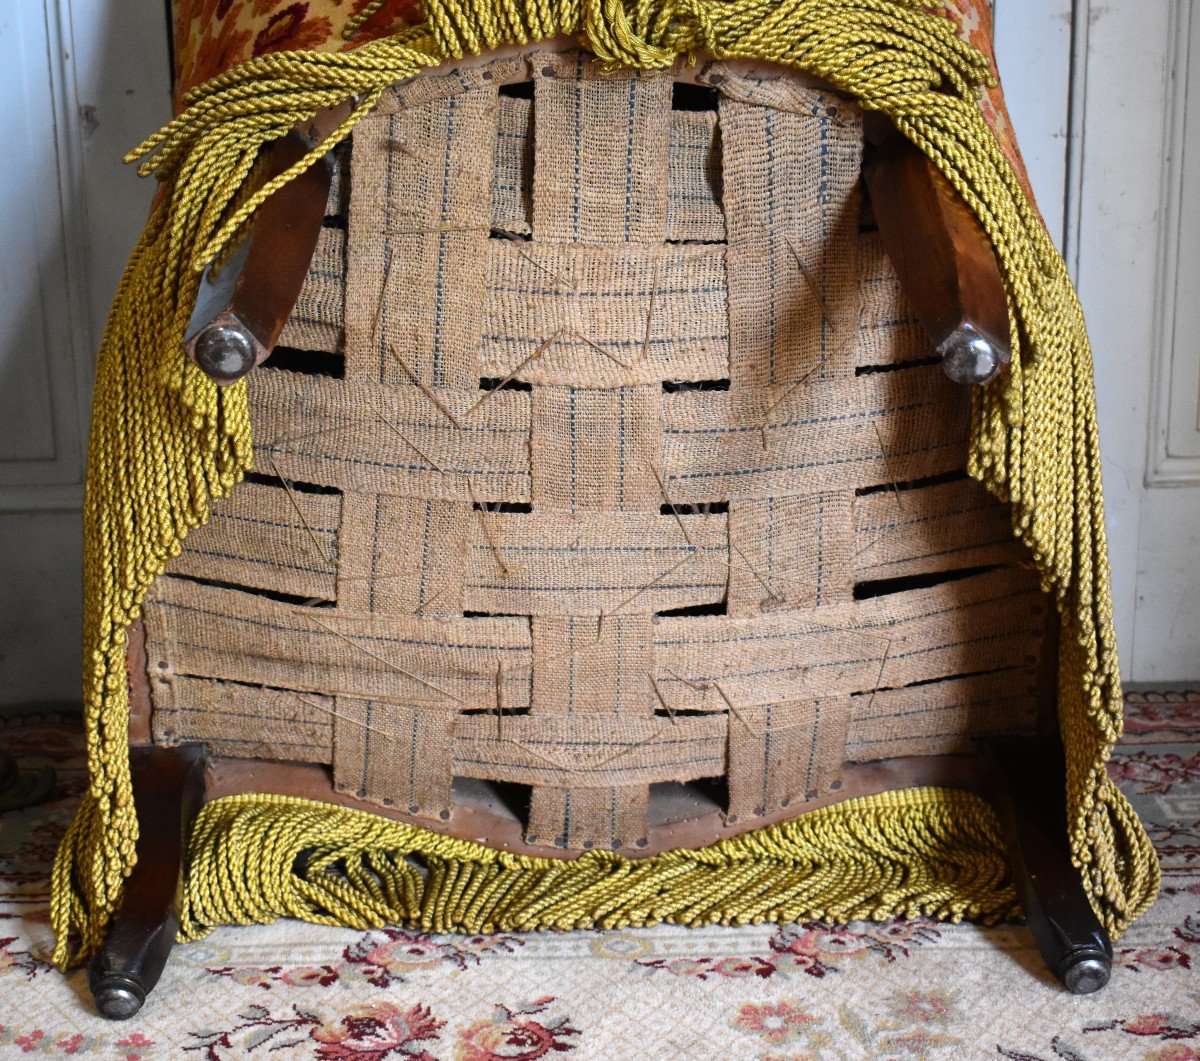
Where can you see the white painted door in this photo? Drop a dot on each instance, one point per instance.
(1097, 93)
(1138, 269)
(82, 80)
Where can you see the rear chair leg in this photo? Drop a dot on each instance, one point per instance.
(1030, 799)
(168, 788)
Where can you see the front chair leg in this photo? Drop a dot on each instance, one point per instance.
(1030, 799)
(168, 788)
(942, 256)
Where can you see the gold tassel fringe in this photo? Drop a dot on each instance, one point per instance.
(921, 852)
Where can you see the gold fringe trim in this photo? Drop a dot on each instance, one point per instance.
(165, 441)
(925, 852)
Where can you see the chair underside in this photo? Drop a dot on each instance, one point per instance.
(608, 495)
(606, 483)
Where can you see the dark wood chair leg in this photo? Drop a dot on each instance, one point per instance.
(942, 257)
(168, 788)
(1030, 799)
(240, 313)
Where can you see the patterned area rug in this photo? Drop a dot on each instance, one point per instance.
(904, 989)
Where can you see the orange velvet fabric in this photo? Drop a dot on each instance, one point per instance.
(213, 35)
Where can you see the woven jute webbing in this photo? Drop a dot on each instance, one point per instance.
(645, 573)
(620, 428)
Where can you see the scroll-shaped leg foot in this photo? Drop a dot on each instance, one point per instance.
(1030, 799)
(168, 788)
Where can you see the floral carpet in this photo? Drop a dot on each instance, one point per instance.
(904, 989)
